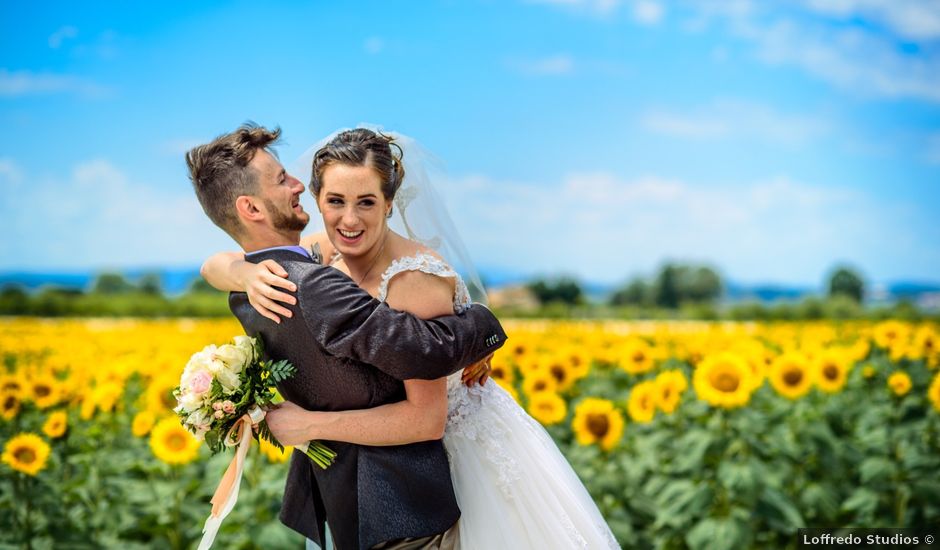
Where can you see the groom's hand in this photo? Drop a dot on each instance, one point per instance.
(289, 423)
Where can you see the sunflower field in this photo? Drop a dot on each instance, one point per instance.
(687, 434)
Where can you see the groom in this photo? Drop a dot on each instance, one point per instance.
(351, 352)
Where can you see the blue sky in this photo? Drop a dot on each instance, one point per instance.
(600, 138)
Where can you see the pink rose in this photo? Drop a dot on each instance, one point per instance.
(200, 382)
(218, 414)
(228, 407)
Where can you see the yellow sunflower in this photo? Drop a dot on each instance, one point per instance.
(859, 350)
(791, 375)
(900, 383)
(670, 385)
(933, 393)
(579, 361)
(9, 404)
(143, 422)
(26, 453)
(44, 390)
(12, 383)
(723, 380)
(547, 407)
(502, 370)
(56, 425)
(642, 403)
(172, 443)
(273, 454)
(889, 333)
(539, 381)
(831, 371)
(519, 347)
(159, 394)
(636, 356)
(927, 341)
(106, 395)
(597, 421)
(557, 366)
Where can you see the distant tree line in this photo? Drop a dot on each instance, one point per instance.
(111, 294)
(696, 292)
(674, 291)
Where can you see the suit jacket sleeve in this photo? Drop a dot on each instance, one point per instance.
(349, 323)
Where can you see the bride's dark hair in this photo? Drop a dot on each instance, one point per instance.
(361, 147)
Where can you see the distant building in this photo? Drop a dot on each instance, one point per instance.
(518, 298)
(929, 301)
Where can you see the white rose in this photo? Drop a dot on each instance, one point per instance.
(235, 358)
(247, 344)
(230, 380)
(189, 402)
(201, 360)
(198, 419)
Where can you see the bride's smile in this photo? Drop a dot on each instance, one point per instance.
(353, 208)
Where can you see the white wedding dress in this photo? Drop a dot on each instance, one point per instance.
(514, 488)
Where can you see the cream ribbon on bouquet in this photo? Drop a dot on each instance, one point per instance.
(227, 493)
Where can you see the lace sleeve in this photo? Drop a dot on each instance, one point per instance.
(426, 263)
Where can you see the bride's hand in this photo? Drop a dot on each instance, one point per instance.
(261, 283)
(477, 372)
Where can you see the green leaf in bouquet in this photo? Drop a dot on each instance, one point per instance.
(213, 441)
(281, 371)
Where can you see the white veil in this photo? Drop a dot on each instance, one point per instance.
(419, 212)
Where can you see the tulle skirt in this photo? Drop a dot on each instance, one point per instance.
(514, 487)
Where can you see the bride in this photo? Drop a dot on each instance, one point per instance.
(514, 488)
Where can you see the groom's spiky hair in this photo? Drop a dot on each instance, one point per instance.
(220, 173)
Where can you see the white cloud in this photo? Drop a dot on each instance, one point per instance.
(98, 216)
(852, 59)
(727, 119)
(602, 228)
(24, 83)
(911, 19)
(561, 64)
(373, 45)
(647, 12)
(823, 37)
(58, 37)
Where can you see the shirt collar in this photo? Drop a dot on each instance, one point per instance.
(292, 247)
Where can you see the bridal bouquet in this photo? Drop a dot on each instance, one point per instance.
(222, 394)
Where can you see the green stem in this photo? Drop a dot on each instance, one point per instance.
(178, 537)
(27, 522)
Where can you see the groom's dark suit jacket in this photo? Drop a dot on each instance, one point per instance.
(352, 352)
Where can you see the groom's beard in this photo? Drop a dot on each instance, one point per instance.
(284, 222)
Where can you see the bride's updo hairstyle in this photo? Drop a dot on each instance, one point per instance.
(361, 147)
